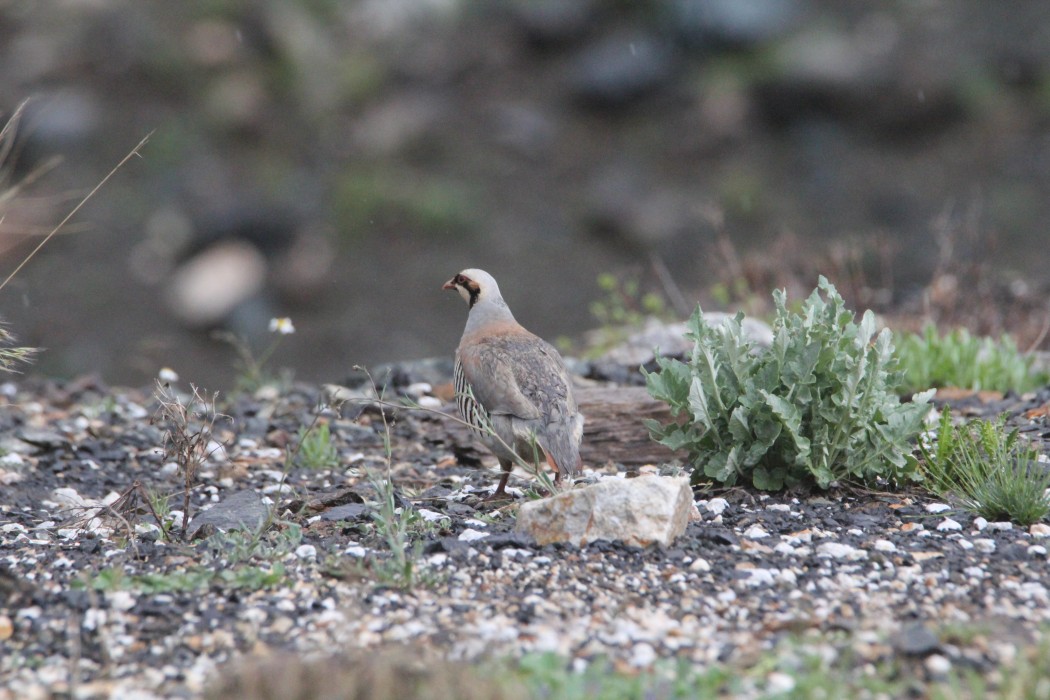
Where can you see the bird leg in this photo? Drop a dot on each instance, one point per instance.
(500, 494)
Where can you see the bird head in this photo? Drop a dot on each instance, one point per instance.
(474, 286)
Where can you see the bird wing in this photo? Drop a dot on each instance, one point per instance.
(519, 375)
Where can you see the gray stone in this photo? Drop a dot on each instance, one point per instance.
(646, 510)
(916, 639)
(243, 510)
(621, 68)
(736, 23)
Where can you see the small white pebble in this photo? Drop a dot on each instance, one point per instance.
(355, 551)
(937, 507)
(716, 506)
(755, 532)
(430, 516)
(838, 550)
(885, 546)
(938, 665)
(785, 549)
(473, 522)
(974, 572)
(760, 577)
(782, 507)
(1037, 550)
(948, 525)
(431, 402)
(984, 545)
(643, 655)
(979, 523)
(470, 535)
(700, 565)
(1002, 526)
(1039, 530)
(965, 544)
(779, 683)
(306, 551)
(418, 389)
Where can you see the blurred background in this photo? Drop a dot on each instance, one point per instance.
(336, 161)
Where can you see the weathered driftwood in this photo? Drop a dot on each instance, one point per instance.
(614, 430)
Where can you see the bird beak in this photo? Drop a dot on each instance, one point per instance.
(451, 284)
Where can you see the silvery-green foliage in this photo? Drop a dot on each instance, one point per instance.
(819, 406)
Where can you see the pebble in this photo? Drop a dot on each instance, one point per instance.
(937, 507)
(980, 523)
(778, 683)
(948, 525)
(1001, 526)
(885, 546)
(984, 545)
(838, 550)
(938, 666)
(755, 532)
(700, 565)
(716, 506)
(1039, 530)
(470, 535)
(306, 551)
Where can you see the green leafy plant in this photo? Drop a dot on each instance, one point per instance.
(316, 449)
(988, 470)
(818, 406)
(929, 359)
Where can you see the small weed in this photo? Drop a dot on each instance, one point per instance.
(316, 449)
(958, 359)
(188, 429)
(988, 470)
(252, 372)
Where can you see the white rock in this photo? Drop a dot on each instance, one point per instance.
(938, 665)
(716, 506)
(937, 507)
(974, 572)
(885, 546)
(430, 516)
(208, 287)
(431, 402)
(700, 565)
(782, 507)
(1001, 526)
(979, 523)
(418, 389)
(11, 459)
(778, 683)
(641, 511)
(984, 545)
(838, 550)
(948, 525)
(643, 655)
(306, 551)
(1037, 550)
(469, 535)
(1039, 530)
(474, 522)
(755, 532)
(355, 551)
(760, 577)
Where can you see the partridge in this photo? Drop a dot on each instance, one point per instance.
(512, 387)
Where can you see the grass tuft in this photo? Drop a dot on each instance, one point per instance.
(987, 470)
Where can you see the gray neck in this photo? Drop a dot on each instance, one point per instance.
(487, 311)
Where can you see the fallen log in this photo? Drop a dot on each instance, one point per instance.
(614, 431)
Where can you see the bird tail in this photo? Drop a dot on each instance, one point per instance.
(562, 449)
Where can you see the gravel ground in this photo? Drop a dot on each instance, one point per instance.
(95, 603)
